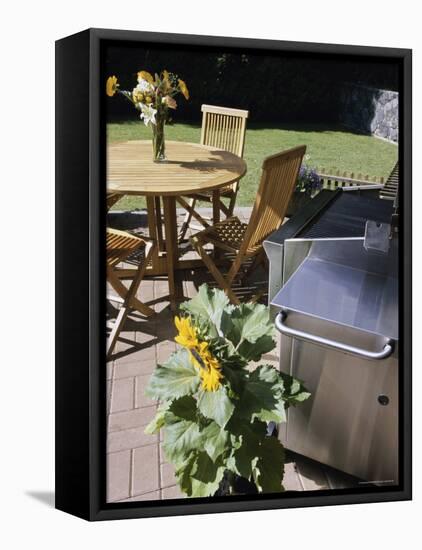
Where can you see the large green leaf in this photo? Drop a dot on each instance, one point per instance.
(268, 469)
(254, 351)
(294, 391)
(159, 419)
(175, 378)
(262, 396)
(258, 456)
(184, 473)
(245, 437)
(209, 305)
(184, 408)
(181, 438)
(206, 476)
(244, 457)
(250, 330)
(215, 440)
(236, 377)
(216, 405)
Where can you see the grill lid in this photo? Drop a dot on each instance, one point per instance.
(340, 282)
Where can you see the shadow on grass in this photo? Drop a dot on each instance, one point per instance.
(305, 127)
(127, 220)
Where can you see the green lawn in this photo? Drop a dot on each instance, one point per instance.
(329, 148)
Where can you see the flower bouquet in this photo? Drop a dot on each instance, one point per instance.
(215, 409)
(152, 97)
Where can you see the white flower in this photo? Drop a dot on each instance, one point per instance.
(144, 86)
(148, 114)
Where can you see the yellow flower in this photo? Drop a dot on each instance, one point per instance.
(183, 88)
(211, 379)
(187, 336)
(198, 354)
(210, 369)
(208, 366)
(111, 86)
(137, 96)
(145, 75)
(166, 81)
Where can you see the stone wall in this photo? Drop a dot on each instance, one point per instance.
(370, 110)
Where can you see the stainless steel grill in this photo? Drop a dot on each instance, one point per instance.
(330, 214)
(337, 313)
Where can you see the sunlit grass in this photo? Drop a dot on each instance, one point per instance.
(326, 147)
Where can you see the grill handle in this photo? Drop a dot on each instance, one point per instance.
(386, 351)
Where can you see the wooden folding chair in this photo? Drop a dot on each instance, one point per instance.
(278, 180)
(224, 128)
(120, 245)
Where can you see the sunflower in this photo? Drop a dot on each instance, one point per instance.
(111, 86)
(187, 336)
(211, 376)
(183, 88)
(145, 75)
(208, 366)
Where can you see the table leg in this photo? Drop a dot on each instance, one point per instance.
(216, 216)
(216, 206)
(170, 224)
(159, 221)
(152, 228)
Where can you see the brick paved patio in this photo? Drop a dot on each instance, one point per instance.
(136, 467)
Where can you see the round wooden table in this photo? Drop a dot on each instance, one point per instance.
(190, 168)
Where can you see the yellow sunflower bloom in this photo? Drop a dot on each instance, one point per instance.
(187, 336)
(211, 376)
(183, 88)
(111, 86)
(208, 366)
(145, 75)
(198, 355)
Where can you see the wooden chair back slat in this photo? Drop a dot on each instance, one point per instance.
(278, 180)
(224, 128)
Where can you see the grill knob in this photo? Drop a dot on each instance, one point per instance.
(383, 400)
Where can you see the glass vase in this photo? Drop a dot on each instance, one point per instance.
(158, 142)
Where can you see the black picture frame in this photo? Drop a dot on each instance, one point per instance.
(80, 280)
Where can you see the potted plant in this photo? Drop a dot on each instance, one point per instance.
(216, 402)
(152, 97)
(307, 185)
